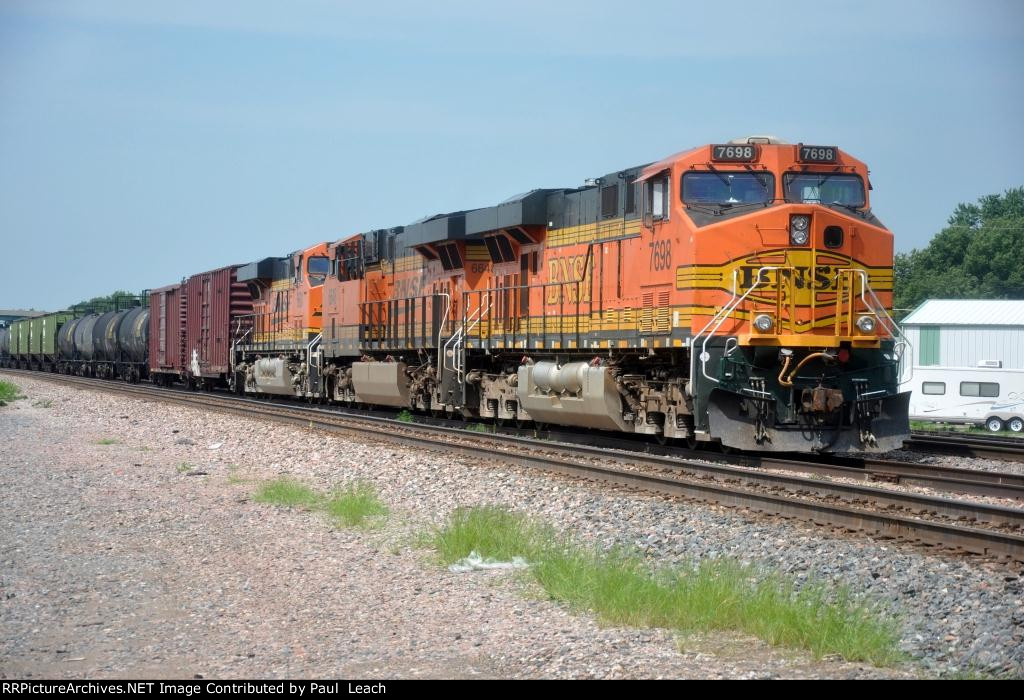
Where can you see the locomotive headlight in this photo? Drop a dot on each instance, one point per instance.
(763, 323)
(799, 228)
(866, 324)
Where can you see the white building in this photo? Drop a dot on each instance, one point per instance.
(968, 362)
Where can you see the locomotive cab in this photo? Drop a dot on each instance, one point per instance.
(794, 347)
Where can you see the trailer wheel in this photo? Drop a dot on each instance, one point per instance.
(1015, 424)
(994, 424)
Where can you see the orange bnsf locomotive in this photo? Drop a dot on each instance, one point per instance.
(735, 293)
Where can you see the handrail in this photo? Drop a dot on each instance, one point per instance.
(879, 310)
(456, 340)
(309, 349)
(441, 327)
(718, 319)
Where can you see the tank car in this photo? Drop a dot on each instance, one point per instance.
(111, 344)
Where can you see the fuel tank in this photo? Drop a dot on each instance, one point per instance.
(272, 376)
(572, 394)
(384, 383)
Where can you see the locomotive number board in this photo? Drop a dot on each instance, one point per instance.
(732, 153)
(818, 154)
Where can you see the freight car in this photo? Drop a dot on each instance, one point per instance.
(33, 341)
(191, 324)
(735, 293)
(111, 344)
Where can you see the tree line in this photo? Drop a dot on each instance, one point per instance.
(978, 255)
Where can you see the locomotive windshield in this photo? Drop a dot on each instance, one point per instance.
(824, 188)
(728, 187)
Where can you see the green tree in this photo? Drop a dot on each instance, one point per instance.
(979, 255)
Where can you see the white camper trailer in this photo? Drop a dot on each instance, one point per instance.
(968, 362)
(991, 397)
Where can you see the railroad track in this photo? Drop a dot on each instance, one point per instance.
(1007, 449)
(997, 484)
(954, 524)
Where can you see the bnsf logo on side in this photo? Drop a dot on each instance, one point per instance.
(572, 268)
(822, 278)
(410, 287)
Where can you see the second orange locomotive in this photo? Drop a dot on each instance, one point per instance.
(735, 293)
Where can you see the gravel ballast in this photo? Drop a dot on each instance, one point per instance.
(147, 557)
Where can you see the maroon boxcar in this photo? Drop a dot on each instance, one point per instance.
(214, 301)
(167, 334)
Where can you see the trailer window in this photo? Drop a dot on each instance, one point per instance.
(986, 389)
(933, 388)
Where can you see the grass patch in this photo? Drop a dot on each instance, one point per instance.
(106, 441)
(493, 532)
(184, 467)
(480, 428)
(970, 674)
(621, 588)
(43, 403)
(287, 492)
(9, 392)
(354, 505)
(404, 416)
(929, 426)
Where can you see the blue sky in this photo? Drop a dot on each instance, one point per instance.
(142, 141)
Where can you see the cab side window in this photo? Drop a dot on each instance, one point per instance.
(657, 198)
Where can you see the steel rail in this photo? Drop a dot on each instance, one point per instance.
(999, 448)
(775, 494)
(951, 479)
